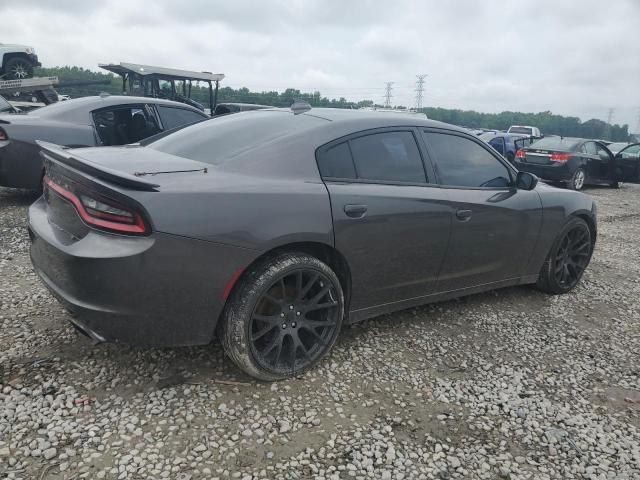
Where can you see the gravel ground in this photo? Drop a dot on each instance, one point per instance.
(508, 384)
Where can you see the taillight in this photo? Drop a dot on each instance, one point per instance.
(3, 135)
(560, 157)
(521, 154)
(100, 212)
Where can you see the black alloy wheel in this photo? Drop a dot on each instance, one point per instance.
(568, 259)
(572, 256)
(283, 317)
(294, 320)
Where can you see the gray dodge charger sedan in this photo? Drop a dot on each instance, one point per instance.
(275, 227)
(82, 122)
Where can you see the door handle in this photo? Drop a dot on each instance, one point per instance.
(464, 215)
(355, 211)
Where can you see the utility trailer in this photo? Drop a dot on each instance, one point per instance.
(28, 93)
(168, 83)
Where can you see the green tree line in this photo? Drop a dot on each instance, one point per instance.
(548, 122)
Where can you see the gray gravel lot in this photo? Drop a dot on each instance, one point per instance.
(508, 384)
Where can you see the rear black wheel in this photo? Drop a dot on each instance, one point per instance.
(283, 317)
(18, 68)
(578, 179)
(568, 258)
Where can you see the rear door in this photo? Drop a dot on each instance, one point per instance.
(495, 226)
(390, 221)
(628, 164)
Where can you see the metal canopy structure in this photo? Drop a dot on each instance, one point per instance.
(147, 77)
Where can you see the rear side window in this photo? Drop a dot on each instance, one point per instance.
(336, 162)
(379, 157)
(590, 148)
(177, 117)
(463, 163)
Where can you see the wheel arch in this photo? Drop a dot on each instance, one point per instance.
(593, 229)
(322, 251)
(8, 56)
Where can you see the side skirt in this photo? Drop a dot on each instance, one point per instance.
(369, 312)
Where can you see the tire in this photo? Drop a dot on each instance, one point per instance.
(577, 179)
(549, 280)
(264, 322)
(18, 68)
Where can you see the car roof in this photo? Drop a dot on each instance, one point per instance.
(364, 119)
(75, 110)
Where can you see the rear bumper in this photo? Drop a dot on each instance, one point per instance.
(554, 173)
(160, 290)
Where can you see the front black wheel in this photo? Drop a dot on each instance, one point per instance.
(568, 258)
(283, 317)
(18, 68)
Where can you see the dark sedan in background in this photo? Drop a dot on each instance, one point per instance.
(275, 227)
(84, 122)
(573, 161)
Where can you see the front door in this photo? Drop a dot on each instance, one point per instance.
(390, 223)
(628, 164)
(495, 226)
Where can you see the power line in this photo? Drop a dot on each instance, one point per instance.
(419, 89)
(387, 94)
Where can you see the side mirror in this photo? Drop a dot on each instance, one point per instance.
(526, 181)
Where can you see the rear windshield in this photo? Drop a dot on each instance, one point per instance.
(556, 143)
(525, 130)
(220, 139)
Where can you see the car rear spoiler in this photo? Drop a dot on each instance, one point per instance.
(60, 155)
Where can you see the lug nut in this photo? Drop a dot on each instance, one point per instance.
(284, 325)
(293, 324)
(298, 314)
(282, 315)
(290, 307)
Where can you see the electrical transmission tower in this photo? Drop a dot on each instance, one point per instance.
(419, 90)
(609, 119)
(387, 94)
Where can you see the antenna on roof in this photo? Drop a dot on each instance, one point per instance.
(300, 106)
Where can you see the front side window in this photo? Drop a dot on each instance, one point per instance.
(630, 152)
(389, 156)
(121, 125)
(602, 153)
(461, 162)
(173, 117)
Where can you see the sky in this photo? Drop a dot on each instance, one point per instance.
(571, 57)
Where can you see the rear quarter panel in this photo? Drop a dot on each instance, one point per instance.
(20, 161)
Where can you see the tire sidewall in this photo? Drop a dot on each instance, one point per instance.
(236, 320)
(550, 282)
